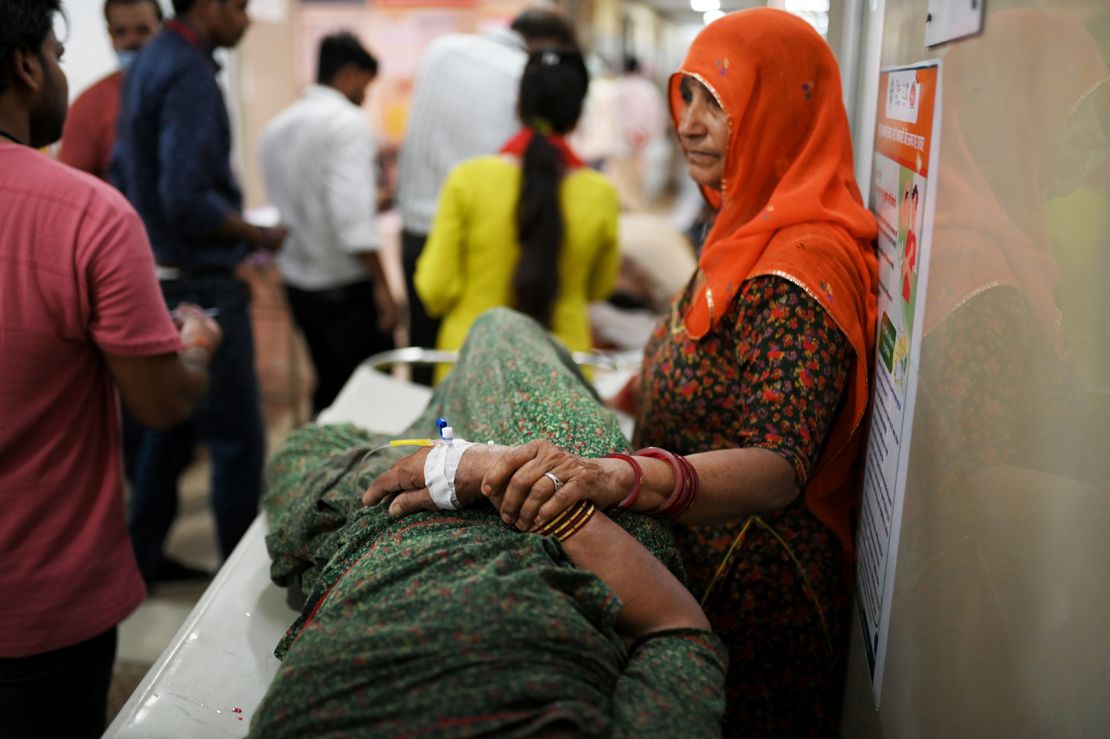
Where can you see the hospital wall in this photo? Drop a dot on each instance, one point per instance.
(1000, 604)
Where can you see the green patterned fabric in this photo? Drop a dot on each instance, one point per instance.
(449, 623)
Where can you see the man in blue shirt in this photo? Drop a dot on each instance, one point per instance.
(174, 166)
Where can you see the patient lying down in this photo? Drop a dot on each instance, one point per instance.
(450, 623)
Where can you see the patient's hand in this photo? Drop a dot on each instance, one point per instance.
(402, 485)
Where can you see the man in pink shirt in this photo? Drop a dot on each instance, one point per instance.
(90, 129)
(81, 315)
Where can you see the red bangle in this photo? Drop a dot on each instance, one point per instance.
(686, 482)
(638, 472)
(692, 487)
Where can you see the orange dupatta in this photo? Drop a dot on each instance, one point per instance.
(788, 206)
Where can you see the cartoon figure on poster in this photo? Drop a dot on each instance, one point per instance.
(909, 232)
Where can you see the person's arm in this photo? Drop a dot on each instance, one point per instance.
(350, 197)
(162, 390)
(234, 229)
(651, 598)
(383, 299)
(790, 399)
(161, 371)
(783, 434)
(733, 483)
(438, 277)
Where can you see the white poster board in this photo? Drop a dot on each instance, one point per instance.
(952, 19)
(903, 194)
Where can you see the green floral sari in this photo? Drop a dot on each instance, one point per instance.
(450, 624)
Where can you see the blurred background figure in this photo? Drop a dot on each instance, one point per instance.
(174, 167)
(464, 106)
(318, 161)
(597, 135)
(532, 228)
(656, 262)
(90, 130)
(642, 119)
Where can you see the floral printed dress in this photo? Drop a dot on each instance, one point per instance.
(771, 375)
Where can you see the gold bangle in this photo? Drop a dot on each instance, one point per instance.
(550, 526)
(570, 521)
(572, 527)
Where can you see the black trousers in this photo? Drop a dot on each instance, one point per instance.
(341, 328)
(63, 693)
(423, 329)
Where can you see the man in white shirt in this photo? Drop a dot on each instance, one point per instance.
(318, 161)
(464, 106)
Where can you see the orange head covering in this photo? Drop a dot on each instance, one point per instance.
(789, 205)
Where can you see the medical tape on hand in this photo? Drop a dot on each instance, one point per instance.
(439, 473)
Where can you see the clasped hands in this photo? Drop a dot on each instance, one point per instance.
(513, 479)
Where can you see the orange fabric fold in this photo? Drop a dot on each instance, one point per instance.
(788, 206)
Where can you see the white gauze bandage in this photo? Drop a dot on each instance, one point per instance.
(440, 467)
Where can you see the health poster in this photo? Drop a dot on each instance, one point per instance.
(903, 183)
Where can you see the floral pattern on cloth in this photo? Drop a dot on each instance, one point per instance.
(770, 375)
(449, 623)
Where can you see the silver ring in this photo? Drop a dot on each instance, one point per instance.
(556, 480)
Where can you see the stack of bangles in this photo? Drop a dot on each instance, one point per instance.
(685, 481)
(569, 522)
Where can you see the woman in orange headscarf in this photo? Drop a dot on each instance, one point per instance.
(759, 376)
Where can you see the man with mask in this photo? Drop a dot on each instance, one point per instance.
(82, 325)
(174, 165)
(317, 159)
(90, 130)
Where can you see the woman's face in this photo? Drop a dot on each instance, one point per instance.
(703, 133)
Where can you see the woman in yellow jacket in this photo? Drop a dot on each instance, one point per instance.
(531, 227)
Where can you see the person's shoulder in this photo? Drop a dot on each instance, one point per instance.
(441, 54)
(453, 42)
(288, 118)
(94, 94)
(484, 168)
(160, 51)
(348, 117)
(168, 56)
(469, 49)
(46, 179)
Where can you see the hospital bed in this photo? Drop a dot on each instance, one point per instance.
(213, 675)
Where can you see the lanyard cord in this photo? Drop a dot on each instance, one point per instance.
(7, 135)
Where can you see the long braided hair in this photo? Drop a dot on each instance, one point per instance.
(552, 90)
